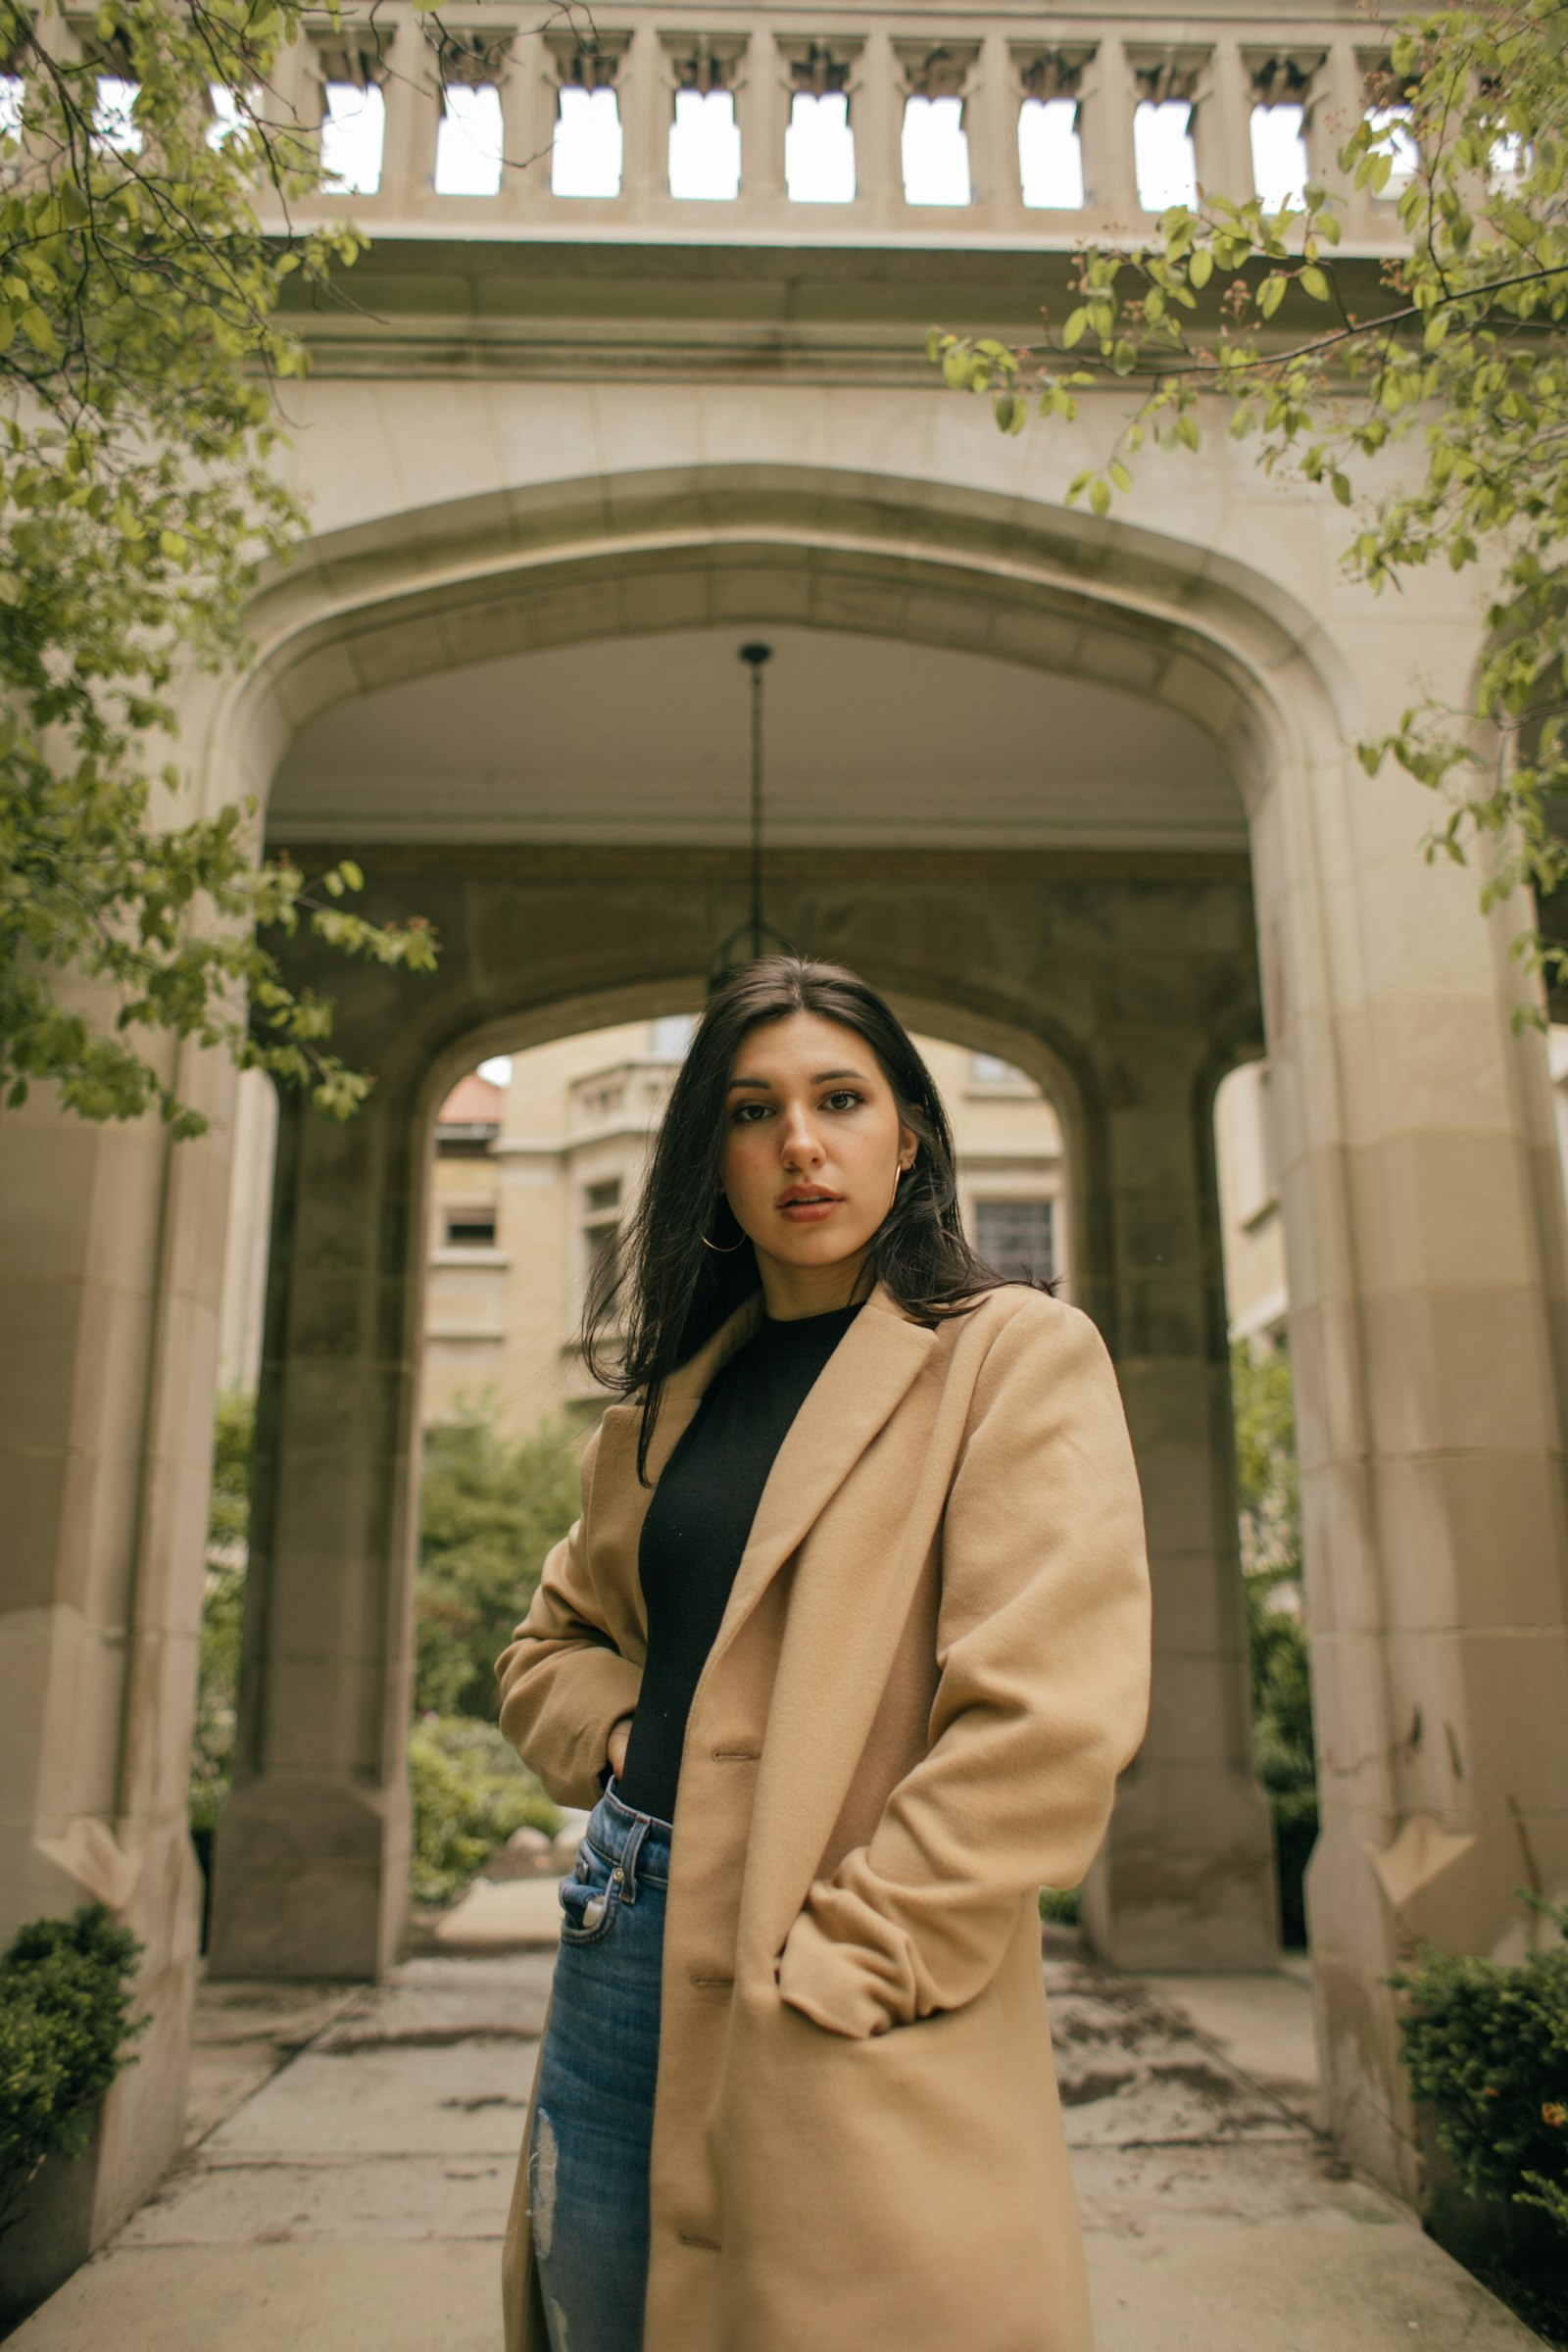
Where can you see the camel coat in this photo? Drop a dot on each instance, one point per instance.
(932, 1667)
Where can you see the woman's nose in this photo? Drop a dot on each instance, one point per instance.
(800, 1146)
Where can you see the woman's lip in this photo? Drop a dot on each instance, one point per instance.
(810, 1212)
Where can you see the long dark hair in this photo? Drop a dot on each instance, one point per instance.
(652, 1303)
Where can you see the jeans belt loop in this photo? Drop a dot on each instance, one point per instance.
(630, 1853)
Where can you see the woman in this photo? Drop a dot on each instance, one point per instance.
(861, 1575)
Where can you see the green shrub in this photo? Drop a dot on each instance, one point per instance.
(1268, 1493)
(65, 2020)
(471, 1791)
(490, 1509)
(1059, 1904)
(1485, 2047)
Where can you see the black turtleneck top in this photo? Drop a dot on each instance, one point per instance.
(696, 1528)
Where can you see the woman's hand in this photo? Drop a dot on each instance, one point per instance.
(616, 1744)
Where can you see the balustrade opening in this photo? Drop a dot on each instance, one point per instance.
(468, 144)
(820, 149)
(705, 147)
(114, 122)
(1279, 156)
(352, 136)
(1051, 155)
(227, 120)
(1392, 136)
(587, 157)
(935, 152)
(1164, 157)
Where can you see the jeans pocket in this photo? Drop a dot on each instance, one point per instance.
(589, 1898)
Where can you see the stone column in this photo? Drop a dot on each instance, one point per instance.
(313, 1844)
(110, 1264)
(1186, 1877)
(1422, 1197)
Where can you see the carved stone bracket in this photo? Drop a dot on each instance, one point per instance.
(815, 68)
(940, 72)
(704, 61)
(480, 59)
(591, 63)
(1166, 75)
(1047, 73)
(352, 52)
(1283, 77)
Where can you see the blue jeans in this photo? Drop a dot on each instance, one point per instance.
(594, 2114)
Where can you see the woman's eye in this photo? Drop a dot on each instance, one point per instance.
(741, 1113)
(844, 1098)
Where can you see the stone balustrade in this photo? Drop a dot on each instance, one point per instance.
(985, 86)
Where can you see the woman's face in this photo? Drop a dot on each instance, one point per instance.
(813, 1147)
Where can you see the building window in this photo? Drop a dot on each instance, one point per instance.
(600, 1225)
(467, 1139)
(1017, 1236)
(470, 1228)
(989, 1069)
(672, 1033)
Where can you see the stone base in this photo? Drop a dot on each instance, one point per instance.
(1186, 1877)
(72, 2208)
(309, 1879)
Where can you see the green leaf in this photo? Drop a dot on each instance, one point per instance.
(1200, 268)
(1100, 495)
(1315, 281)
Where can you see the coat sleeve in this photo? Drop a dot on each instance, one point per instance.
(563, 1682)
(1043, 1653)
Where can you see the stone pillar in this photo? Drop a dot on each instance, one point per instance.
(1422, 1197)
(111, 1262)
(1105, 127)
(1186, 1877)
(313, 1844)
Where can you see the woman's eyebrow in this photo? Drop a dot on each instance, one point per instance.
(820, 1078)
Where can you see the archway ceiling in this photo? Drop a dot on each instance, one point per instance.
(647, 739)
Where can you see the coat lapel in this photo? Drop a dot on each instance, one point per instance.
(857, 1392)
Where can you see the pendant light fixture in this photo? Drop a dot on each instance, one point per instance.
(755, 936)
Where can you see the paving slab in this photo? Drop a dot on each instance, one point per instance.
(332, 2297)
(453, 2098)
(505, 1915)
(1290, 2286)
(1261, 2020)
(291, 2201)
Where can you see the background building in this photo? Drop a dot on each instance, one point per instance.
(533, 1176)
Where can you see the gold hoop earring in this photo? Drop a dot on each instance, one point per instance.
(724, 1248)
(898, 1175)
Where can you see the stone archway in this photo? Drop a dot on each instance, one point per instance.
(1227, 648)
(1430, 1398)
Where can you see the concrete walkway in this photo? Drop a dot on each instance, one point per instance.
(352, 2154)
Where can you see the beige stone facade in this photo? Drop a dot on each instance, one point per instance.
(1079, 792)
